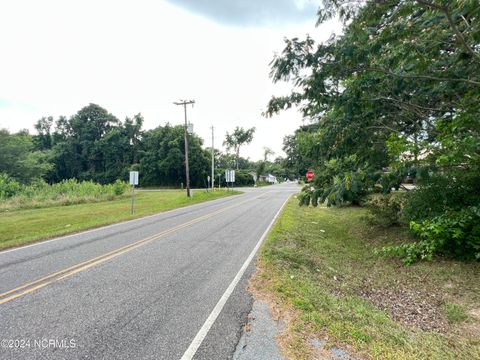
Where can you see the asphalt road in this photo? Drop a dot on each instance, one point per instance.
(160, 287)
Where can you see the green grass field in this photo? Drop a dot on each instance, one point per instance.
(25, 226)
(319, 268)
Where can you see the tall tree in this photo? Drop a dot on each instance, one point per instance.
(162, 161)
(43, 139)
(238, 138)
(94, 145)
(267, 152)
(396, 89)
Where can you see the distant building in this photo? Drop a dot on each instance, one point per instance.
(268, 178)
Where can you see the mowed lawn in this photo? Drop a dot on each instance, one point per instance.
(318, 270)
(25, 226)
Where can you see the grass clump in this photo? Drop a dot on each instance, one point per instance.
(455, 313)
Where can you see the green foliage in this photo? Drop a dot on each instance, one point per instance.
(242, 178)
(93, 145)
(320, 262)
(8, 187)
(66, 192)
(455, 234)
(163, 160)
(119, 187)
(305, 196)
(260, 168)
(18, 158)
(440, 194)
(385, 210)
(237, 139)
(395, 95)
(347, 188)
(338, 182)
(51, 220)
(455, 313)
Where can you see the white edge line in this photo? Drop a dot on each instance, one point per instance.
(103, 227)
(202, 333)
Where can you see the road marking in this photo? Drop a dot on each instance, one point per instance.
(42, 242)
(202, 333)
(62, 274)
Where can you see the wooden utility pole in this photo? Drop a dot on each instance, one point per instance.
(184, 103)
(213, 162)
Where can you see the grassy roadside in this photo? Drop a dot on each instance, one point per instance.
(318, 271)
(25, 226)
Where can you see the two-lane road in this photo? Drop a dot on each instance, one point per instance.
(160, 287)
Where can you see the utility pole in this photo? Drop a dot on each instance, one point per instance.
(184, 103)
(213, 162)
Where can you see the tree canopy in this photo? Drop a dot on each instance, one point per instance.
(396, 94)
(238, 138)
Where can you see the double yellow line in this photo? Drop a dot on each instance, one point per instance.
(72, 270)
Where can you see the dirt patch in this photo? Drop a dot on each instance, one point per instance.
(475, 313)
(413, 308)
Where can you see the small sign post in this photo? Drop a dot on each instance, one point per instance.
(310, 175)
(208, 182)
(230, 177)
(133, 182)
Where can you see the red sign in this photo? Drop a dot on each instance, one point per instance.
(310, 175)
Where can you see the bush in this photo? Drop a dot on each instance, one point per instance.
(455, 234)
(242, 178)
(385, 210)
(119, 187)
(347, 189)
(8, 187)
(440, 194)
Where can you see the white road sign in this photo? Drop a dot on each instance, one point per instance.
(133, 177)
(230, 176)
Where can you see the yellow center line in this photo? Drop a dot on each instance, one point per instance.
(72, 270)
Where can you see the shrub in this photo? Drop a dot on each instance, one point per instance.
(440, 194)
(305, 195)
(243, 178)
(8, 187)
(385, 210)
(347, 189)
(119, 187)
(455, 234)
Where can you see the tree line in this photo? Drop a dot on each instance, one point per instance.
(394, 98)
(95, 145)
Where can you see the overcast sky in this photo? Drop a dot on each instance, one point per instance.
(140, 56)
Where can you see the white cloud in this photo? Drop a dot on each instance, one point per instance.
(131, 57)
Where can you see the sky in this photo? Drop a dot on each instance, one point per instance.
(130, 57)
